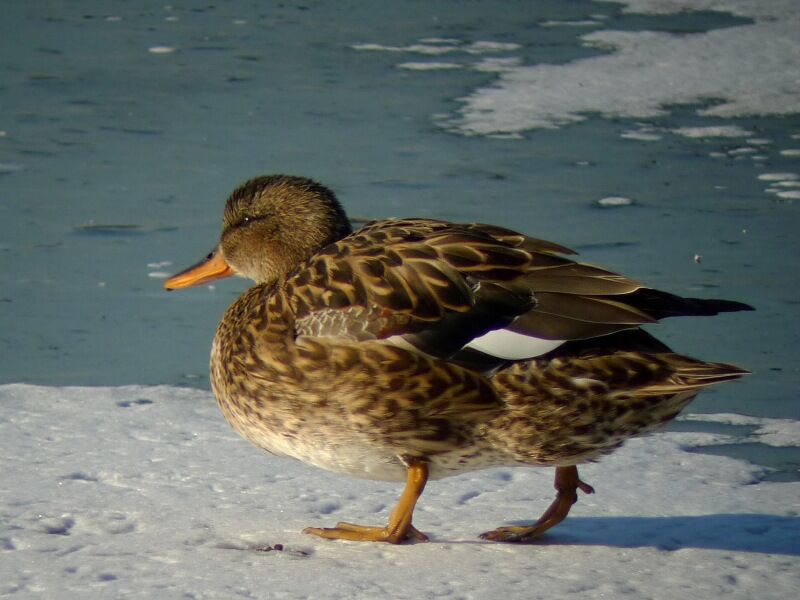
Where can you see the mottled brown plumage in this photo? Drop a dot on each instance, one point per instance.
(416, 349)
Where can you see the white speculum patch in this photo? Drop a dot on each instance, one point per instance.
(503, 343)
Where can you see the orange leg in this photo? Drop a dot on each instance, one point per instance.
(567, 483)
(399, 527)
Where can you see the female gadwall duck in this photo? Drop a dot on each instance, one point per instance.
(416, 349)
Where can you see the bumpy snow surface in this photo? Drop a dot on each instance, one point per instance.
(145, 492)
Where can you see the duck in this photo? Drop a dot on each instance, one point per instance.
(414, 349)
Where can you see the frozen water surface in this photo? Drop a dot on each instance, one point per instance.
(144, 492)
(125, 125)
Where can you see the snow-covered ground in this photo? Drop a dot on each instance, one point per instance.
(145, 492)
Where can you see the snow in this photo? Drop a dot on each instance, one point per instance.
(635, 80)
(145, 492)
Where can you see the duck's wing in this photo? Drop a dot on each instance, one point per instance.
(431, 284)
(447, 288)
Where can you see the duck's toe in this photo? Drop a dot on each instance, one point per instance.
(567, 483)
(366, 533)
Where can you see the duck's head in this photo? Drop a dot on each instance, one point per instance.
(271, 224)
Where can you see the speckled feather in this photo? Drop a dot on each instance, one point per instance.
(353, 358)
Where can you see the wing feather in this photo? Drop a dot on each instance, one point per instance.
(439, 285)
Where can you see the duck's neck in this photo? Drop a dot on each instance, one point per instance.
(256, 333)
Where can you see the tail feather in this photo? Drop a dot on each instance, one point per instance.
(660, 304)
(690, 374)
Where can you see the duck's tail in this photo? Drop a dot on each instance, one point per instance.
(660, 305)
(689, 374)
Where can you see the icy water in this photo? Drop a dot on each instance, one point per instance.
(664, 146)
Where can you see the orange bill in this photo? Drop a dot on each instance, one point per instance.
(210, 268)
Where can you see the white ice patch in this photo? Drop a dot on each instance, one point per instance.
(503, 343)
(438, 40)
(496, 65)
(489, 47)
(642, 135)
(556, 23)
(161, 50)
(741, 151)
(778, 177)
(429, 66)
(725, 131)
(773, 432)
(613, 201)
(751, 69)
(442, 47)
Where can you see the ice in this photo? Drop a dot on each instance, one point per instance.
(145, 492)
(614, 201)
(728, 131)
(778, 176)
(773, 432)
(434, 46)
(482, 47)
(556, 23)
(642, 135)
(428, 66)
(415, 48)
(496, 65)
(10, 168)
(161, 49)
(751, 69)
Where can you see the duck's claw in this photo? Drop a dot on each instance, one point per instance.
(567, 483)
(365, 533)
(399, 528)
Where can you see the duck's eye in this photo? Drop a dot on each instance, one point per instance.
(245, 221)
